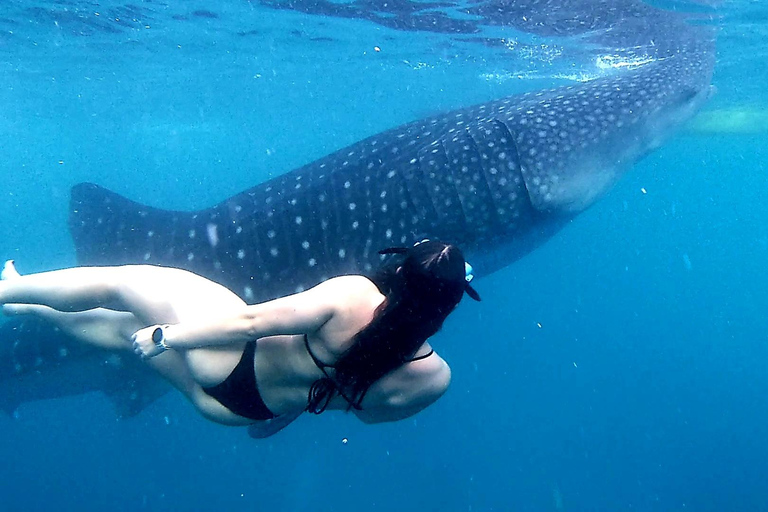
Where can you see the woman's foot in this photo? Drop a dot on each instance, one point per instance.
(9, 271)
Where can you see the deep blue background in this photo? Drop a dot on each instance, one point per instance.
(620, 367)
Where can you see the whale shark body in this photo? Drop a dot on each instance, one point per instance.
(498, 179)
(485, 177)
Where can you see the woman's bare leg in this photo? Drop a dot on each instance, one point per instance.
(104, 328)
(85, 288)
(155, 295)
(145, 295)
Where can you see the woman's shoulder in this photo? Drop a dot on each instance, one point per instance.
(406, 390)
(353, 299)
(432, 372)
(351, 281)
(350, 286)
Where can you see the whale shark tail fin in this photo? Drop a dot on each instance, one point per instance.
(108, 228)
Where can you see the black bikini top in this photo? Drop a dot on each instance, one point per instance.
(325, 388)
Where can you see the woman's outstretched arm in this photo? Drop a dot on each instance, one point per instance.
(302, 313)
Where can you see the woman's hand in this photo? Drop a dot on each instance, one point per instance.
(149, 342)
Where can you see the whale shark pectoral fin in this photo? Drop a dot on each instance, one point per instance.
(267, 428)
(9, 405)
(131, 387)
(39, 362)
(131, 401)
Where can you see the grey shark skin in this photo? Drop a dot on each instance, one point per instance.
(38, 362)
(485, 177)
(498, 179)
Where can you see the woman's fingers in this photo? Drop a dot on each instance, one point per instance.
(143, 345)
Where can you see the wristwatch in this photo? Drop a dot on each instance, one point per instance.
(158, 337)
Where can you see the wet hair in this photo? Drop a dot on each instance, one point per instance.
(422, 285)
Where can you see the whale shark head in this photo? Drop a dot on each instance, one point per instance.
(574, 143)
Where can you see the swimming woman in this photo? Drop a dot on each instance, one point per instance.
(351, 343)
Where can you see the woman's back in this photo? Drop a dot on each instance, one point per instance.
(286, 370)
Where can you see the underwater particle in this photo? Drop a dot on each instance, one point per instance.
(344, 441)
(376, 49)
(167, 420)
(538, 324)
(557, 497)
(61, 162)
(687, 261)
(642, 190)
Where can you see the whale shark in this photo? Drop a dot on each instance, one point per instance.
(498, 178)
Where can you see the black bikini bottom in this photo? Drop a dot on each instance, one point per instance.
(239, 392)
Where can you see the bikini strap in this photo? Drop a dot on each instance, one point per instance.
(423, 356)
(316, 359)
(324, 389)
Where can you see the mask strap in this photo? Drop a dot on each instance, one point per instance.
(394, 250)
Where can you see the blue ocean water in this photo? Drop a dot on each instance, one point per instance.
(619, 367)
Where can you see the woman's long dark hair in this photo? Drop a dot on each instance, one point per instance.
(422, 285)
